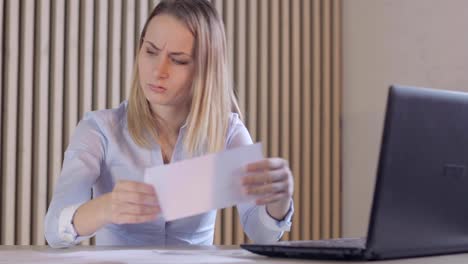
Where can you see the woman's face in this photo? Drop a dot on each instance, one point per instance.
(166, 63)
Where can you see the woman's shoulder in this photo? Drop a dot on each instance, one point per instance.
(97, 126)
(108, 118)
(234, 119)
(235, 129)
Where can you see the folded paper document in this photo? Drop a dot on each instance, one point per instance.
(198, 185)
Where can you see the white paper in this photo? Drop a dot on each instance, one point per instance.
(198, 185)
(153, 256)
(128, 256)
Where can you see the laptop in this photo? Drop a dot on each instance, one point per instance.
(420, 203)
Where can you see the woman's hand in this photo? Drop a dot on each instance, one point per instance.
(129, 203)
(133, 202)
(272, 180)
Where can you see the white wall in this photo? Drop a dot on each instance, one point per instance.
(412, 42)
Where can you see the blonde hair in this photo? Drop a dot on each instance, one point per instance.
(213, 97)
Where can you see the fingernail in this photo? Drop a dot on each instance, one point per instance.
(245, 181)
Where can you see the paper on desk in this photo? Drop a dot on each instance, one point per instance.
(141, 256)
(198, 185)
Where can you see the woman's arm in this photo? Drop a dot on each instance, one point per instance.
(267, 220)
(91, 216)
(272, 179)
(129, 203)
(72, 215)
(80, 170)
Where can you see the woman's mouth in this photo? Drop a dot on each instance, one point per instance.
(157, 88)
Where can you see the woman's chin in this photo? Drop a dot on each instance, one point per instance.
(161, 101)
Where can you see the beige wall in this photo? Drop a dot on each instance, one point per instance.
(414, 42)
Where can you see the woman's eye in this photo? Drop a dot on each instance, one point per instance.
(151, 52)
(179, 62)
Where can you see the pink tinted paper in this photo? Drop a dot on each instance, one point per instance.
(198, 185)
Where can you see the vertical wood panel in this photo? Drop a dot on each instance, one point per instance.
(2, 44)
(228, 9)
(217, 240)
(240, 85)
(218, 237)
(285, 85)
(2, 94)
(143, 10)
(316, 131)
(306, 132)
(128, 48)
(41, 121)
(72, 81)
(114, 86)
(154, 3)
(274, 70)
(86, 57)
(60, 59)
(251, 109)
(240, 56)
(10, 121)
(219, 6)
(296, 113)
(57, 90)
(326, 124)
(229, 29)
(86, 53)
(102, 47)
(336, 118)
(23, 214)
(264, 96)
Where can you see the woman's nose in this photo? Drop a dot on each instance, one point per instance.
(162, 68)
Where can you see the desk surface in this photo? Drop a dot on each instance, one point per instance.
(192, 254)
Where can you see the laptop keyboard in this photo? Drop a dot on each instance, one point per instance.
(328, 243)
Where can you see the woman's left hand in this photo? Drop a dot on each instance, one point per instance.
(271, 179)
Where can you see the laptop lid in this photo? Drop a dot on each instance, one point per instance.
(420, 204)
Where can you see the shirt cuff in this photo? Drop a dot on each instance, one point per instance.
(272, 223)
(67, 230)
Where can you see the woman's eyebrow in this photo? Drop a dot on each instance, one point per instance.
(172, 53)
(152, 44)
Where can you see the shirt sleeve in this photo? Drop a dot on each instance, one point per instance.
(67, 231)
(257, 223)
(80, 170)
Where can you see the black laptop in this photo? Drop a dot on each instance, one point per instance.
(420, 204)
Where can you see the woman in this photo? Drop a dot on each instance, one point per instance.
(179, 107)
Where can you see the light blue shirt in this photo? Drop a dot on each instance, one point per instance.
(101, 152)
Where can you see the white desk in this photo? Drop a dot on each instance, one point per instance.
(193, 254)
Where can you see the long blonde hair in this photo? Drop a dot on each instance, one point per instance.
(212, 94)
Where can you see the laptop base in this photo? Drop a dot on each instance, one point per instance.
(337, 249)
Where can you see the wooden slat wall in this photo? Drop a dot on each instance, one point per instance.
(62, 58)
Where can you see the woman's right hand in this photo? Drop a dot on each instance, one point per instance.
(133, 202)
(129, 202)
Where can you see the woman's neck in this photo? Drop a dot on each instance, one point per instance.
(173, 117)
